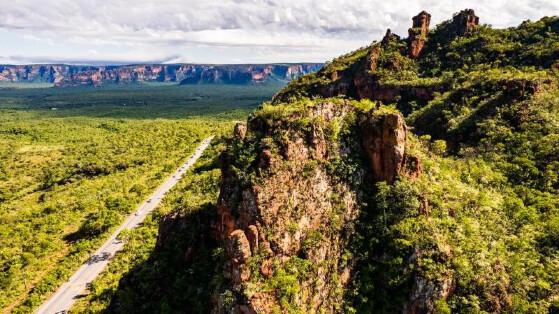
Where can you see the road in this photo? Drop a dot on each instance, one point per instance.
(62, 300)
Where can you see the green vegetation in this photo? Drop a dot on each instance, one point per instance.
(136, 273)
(530, 44)
(481, 221)
(475, 228)
(145, 101)
(69, 176)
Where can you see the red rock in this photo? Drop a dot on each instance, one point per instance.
(252, 235)
(238, 251)
(238, 246)
(418, 33)
(413, 166)
(267, 268)
(465, 21)
(318, 142)
(384, 141)
(226, 223)
(372, 59)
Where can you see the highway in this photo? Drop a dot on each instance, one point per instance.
(63, 299)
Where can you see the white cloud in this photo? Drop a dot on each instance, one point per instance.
(227, 30)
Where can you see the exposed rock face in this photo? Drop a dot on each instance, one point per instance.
(389, 36)
(372, 59)
(366, 87)
(418, 33)
(240, 130)
(239, 251)
(384, 141)
(73, 75)
(425, 292)
(465, 21)
(286, 216)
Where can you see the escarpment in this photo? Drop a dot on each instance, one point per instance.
(409, 176)
(185, 74)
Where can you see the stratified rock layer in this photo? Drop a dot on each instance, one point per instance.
(75, 75)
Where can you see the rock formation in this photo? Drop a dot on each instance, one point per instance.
(418, 33)
(384, 141)
(464, 22)
(388, 37)
(74, 75)
(294, 209)
(240, 130)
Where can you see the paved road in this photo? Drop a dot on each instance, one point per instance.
(66, 295)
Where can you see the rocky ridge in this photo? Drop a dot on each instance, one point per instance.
(75, 75)
(294, 218)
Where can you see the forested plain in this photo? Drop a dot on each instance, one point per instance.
(74, 162)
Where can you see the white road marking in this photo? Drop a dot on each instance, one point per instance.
(63, 299)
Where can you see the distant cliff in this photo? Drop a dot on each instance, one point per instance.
(77, 75)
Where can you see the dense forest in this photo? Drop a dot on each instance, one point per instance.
(75, 162)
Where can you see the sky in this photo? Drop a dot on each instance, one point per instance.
(222, 31)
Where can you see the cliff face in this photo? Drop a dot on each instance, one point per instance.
(418, 34)
(287, 216)
(415, 175)
(70, 75)
(288, 223)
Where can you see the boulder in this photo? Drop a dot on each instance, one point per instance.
(240, 130)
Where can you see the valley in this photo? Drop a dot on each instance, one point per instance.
(416, 174)
(69, 176)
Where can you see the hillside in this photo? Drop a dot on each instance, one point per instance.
(414, 175)
(432, 188)
(187, 74)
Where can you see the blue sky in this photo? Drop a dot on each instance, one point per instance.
(223, 31)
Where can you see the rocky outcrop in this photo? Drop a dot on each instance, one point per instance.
(288, 215)
(74, 75)
(239, 251)
(384, 141)
(367, 87)
(389, 37)
(293, 219)
(240, 130)
(418, 34)
(464, 22)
